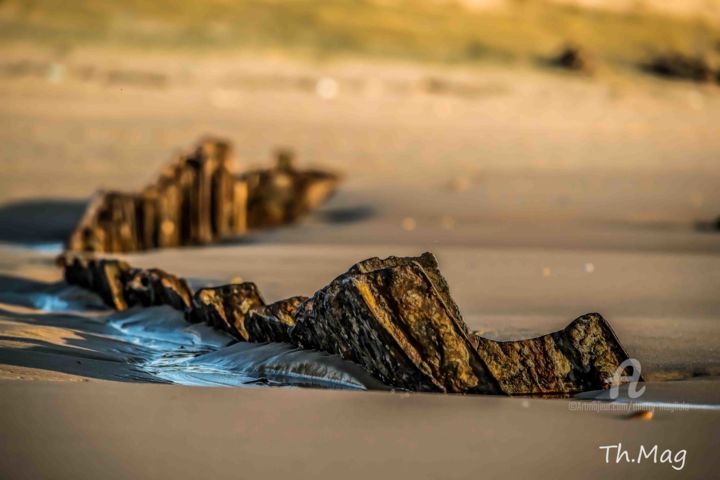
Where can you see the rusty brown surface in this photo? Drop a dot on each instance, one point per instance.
(106, 277)
(582, 356)
(121, 286)
(395, 317)
(197, 199)
(157, 287)
(272, 323)
(226, 307)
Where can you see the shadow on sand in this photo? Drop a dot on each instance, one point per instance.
(62, 342)
(39, 221)
(47, 356)
(34, 222)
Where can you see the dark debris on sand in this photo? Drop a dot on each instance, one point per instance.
(684, 67)
(574, 58)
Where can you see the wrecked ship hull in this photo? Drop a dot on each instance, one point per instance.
(197, 199)
(395, 317)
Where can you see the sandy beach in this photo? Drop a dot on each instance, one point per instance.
(145, 431)
(544, 195)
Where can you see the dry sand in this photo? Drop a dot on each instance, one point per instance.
(544, 196)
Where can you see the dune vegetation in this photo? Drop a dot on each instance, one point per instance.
(432, 31)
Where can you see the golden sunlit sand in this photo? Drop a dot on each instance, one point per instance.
(545, 194)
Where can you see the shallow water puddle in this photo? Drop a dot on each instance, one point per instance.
(161, 343)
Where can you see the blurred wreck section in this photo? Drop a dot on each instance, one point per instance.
(197, 200)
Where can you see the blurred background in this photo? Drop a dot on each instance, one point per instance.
(500, 117)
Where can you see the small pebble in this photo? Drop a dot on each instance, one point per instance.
(641, 415)
(546, 272)
(589, 267)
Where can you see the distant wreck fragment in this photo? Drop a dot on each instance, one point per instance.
(197, 200)
(395, 317)
(680, 66)
(574, 58)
